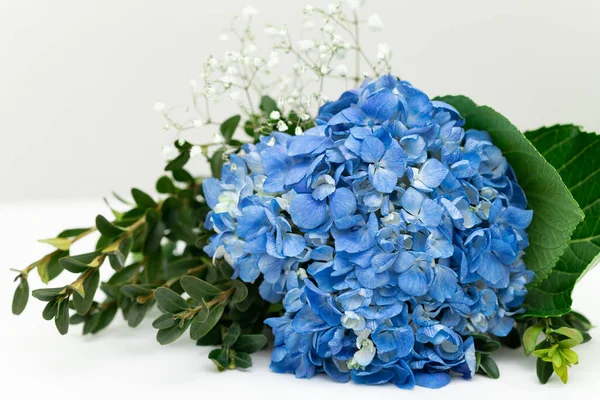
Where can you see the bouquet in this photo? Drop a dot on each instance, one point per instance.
(375, 236)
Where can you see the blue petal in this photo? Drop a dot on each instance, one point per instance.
(431, 380)
(212, 189)
(383, 180)
(414, 281)
(306, 212)
(372, 149)
(270, 267)
(293, 244)
(516, 217)
(307, 144)
(322, 304)
(342, 203)
(306, 321)
(432, 173)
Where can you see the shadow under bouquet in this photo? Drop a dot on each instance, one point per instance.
(381, 237)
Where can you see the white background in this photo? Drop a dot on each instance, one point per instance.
(77, 84)
(78, 78)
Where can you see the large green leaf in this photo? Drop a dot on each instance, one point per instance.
(555, 211)
(576, 157)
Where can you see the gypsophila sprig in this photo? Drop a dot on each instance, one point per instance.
(383, 237)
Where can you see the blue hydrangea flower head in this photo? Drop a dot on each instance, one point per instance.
(390, 233)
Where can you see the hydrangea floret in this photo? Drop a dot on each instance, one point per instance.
(391, 234)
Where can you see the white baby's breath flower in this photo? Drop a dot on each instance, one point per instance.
(332, 8)
(234, 95)
(158, 106)
(197, 123)
(212, 62)
(375, 22)
(195, 151)
(298, 131)
(304, 117)
(249, 11)
(308, 9)
(383, 51)
(275, 115)
(305, 45)
(218, 138)
(354, 4)
(325, 69)
(169, 151)
(341, 70)
(282, 126)
(193, 83)
(250, 48)
(273, 59)
(328, 29)
(223, 37)
(308, 23)
(179, 248)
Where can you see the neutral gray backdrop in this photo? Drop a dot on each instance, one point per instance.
(78, 78)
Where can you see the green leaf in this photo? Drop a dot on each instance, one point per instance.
(60, 243)
(61, 320)
(142, 199)
(242, 360)
(136, 313)
(267, 105)
(101, 319)
(169, 300)
(21, 296)
(108, 229)
(241, 291)
(250, 343)
(199, 329)
(90, 285)
(229, 126)
(48, 294)
(576, 156)
(578, 321)
(544, 370)
(569, 332)
(220, 357)
(165, 185)
(555, 211)
(71, 233)
(197, 288)
(169, 335)
(178, 162)
(202, 314)
(530, 337)
(49, 311)
(489, 367)
(216, 163)
(133, 291)
(164, 321)
(81, 263)
(232, 334)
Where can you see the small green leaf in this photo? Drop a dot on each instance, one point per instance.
(250, 343)
(216, 162)
(169, 300)
(169, 335)
(242, 360)
(232, 334)
(82, 262)
(181, 175)
(229, 126)
(544, 370)
(61, 320)
(165, 185)
(241, 291)
(198, 329)
(101, 319)
(90, 285)
(569, 332)
(106, 228)
(48, 294)
(267, 105)
(202, 314)
(71, 233)
(21, 296)
(489, 367)
(49, 269)
(178, 162)
(197, 288)
(578, 321)
(530, 337)
(562, 371)
(136, 313)
(133, 291)
(164, 321)
(220, 357)
(59, 243)
(49, 311)
(142, 199)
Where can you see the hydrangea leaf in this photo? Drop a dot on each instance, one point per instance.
(556, 214)
(576, 156)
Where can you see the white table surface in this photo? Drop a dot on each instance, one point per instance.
(122, 362)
